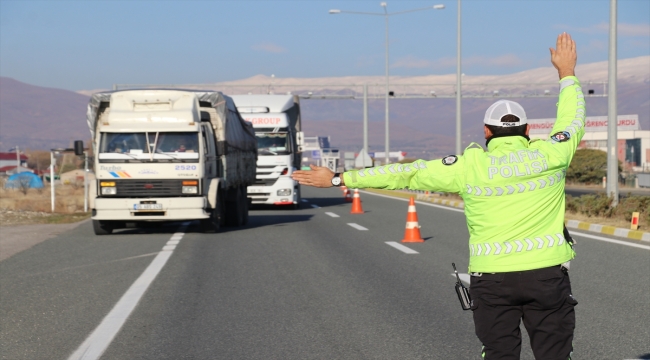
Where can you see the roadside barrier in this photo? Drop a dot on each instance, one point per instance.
(412, 232)
(356, 203)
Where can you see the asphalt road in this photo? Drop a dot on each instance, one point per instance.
(292, 284)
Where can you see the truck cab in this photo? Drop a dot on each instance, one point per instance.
(276, 121)
(169, 155)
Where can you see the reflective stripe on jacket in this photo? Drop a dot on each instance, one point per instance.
(513, 192)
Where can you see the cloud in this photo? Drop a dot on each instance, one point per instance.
(506, 60)
(623, 29)
(502, 61)
(269, 47)
(412, 62)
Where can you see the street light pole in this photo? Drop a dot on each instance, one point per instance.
(52, 178)
(365, 123)
(386, 14)
(458, 86)
(387, 141)
(612, 134)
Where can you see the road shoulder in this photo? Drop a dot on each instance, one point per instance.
(17, 238)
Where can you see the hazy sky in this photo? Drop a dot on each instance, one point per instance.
(79, 45)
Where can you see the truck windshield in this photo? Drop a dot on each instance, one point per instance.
(272, 143)
(150, 146)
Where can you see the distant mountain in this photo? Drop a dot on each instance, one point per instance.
(41, 118)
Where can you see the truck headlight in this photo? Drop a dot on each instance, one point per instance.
(108, 187)
(109, 190)
(284, 192)
(190, 190)
(190, 187)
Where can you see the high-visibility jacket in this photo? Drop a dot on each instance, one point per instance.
(513, 192)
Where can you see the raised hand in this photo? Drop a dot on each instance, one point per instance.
(564, 56)
(318, 176)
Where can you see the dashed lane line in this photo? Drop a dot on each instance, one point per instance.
(401, 247)
(99, 340)
(304, 200)
(332, 214)
(315, 206)
(357, 226)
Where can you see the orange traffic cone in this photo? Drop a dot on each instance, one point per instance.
(356, 203)
(412, 233)
(348, 195)
(343, 188)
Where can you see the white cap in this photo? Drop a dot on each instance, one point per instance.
(502, 108)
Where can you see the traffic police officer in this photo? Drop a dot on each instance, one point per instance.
(514, 205)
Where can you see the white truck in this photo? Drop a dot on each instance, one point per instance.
(277, 123)
(169, 155)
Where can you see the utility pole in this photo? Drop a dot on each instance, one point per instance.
(17, 159)
(612, 121)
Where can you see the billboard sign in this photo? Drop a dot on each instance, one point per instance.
(592, 124)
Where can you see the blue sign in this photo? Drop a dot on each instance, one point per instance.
(315, 154)
(371, 154)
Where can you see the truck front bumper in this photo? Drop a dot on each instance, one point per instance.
(186, 208)
(268, 195)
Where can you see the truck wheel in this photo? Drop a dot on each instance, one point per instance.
(211, 224)
(246, 205)
(215, 221)
(296, 206)
(102, 227)
(235, 211)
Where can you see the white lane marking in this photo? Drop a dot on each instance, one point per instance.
(416, 201)
(173, 242)
(315, 206)
(98, 341)
(646, 247)
(304, 200)
(401, 247)
(357, 226)
(332, 214)
(463, 277)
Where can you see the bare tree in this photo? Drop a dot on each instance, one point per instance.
(23, 183)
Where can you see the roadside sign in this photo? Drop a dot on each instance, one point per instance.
(315, 154)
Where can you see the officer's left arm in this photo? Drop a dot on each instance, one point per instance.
(437, 175)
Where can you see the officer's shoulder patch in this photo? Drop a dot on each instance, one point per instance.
(449, 159)
(561, 136)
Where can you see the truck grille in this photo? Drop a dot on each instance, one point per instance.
(149, 188)
(265, 182)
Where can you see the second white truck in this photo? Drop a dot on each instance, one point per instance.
(277, 123)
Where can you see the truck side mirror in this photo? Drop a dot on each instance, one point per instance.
(78, 147)
(300, 139)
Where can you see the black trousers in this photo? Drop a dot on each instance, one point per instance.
(541, 297)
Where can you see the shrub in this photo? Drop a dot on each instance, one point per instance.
(588, 166)
(601, 205)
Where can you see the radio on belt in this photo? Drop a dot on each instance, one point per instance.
(462, 291)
